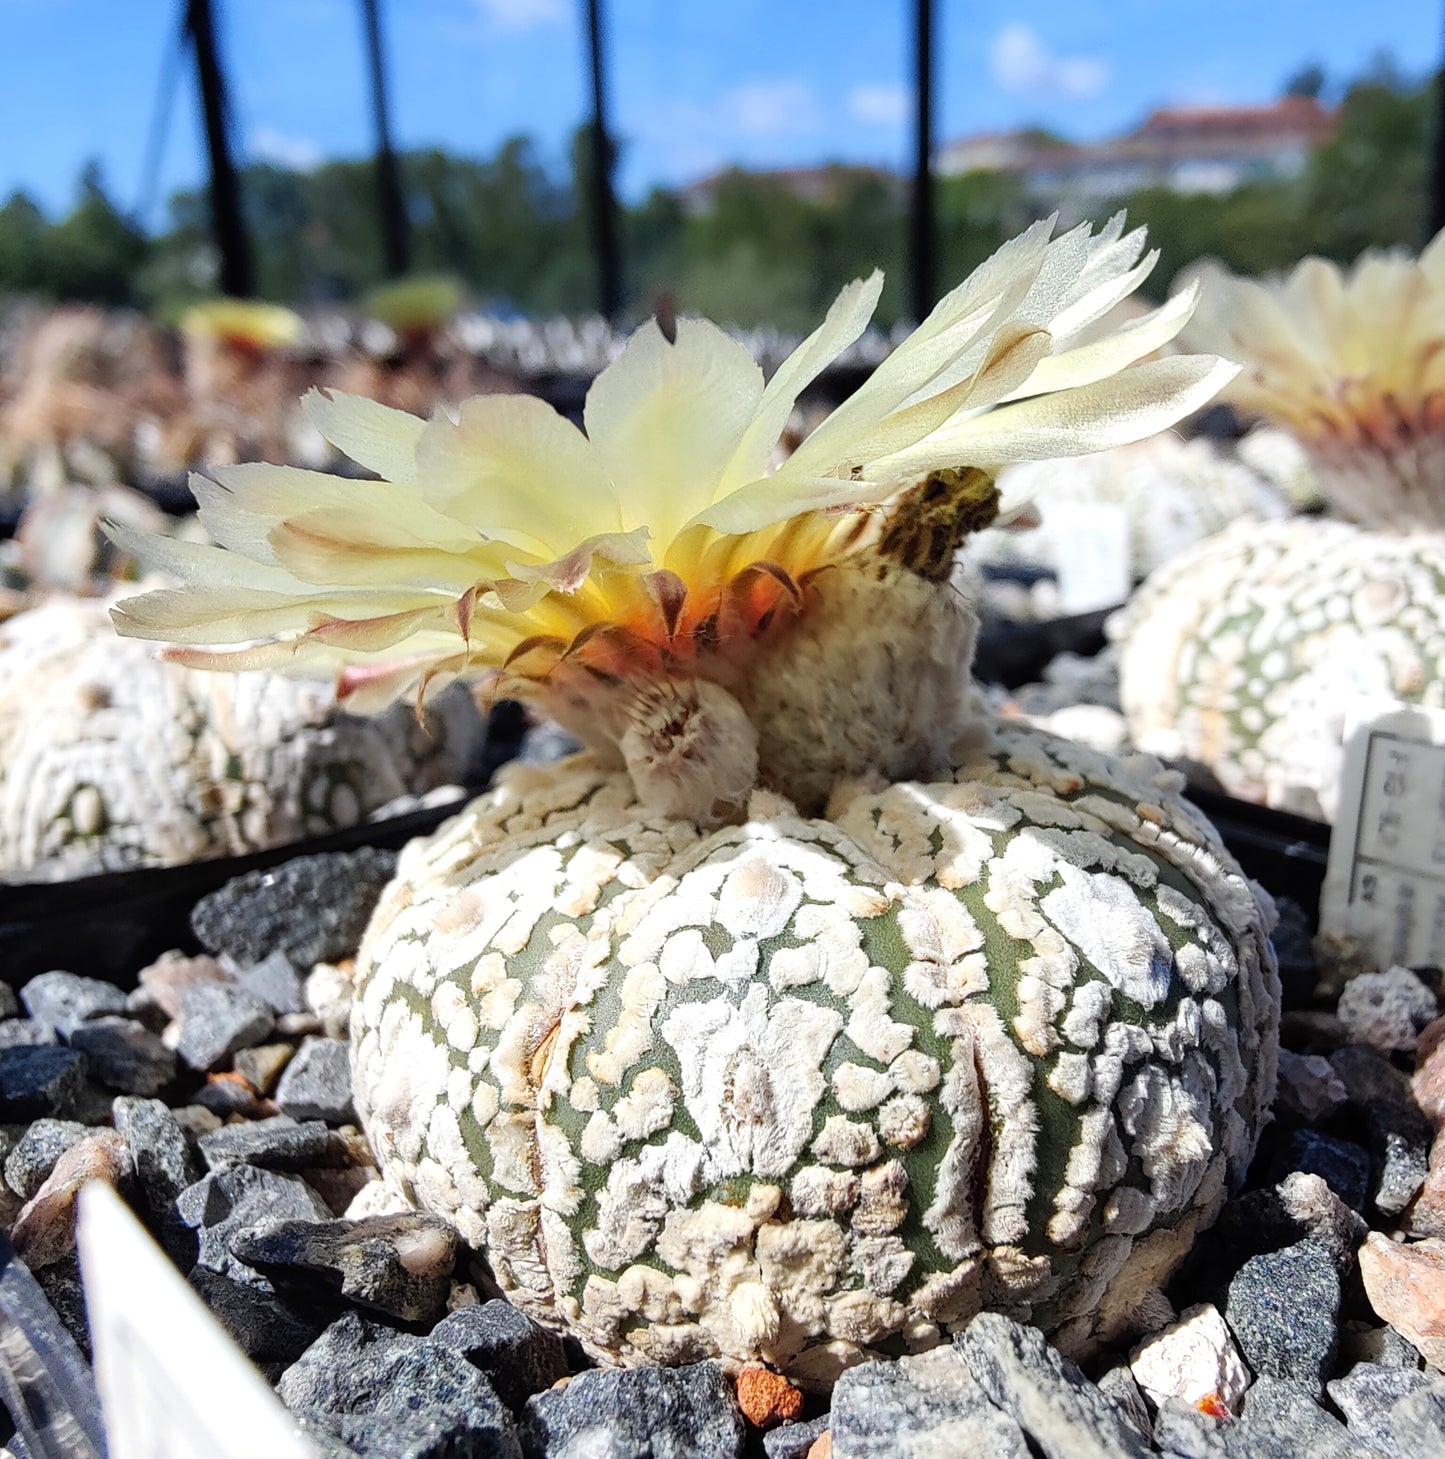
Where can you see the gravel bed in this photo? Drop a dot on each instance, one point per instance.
(1310, 1321)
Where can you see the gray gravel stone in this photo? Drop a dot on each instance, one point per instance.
(216, 1019)
(1281, 1418)
(413, 1387)
(316, 1084)
(60, 1281)
(274, 980)
(636, 1413)
(125, 1054)
(40, 1081)
(792, 1441)
(1417, 1423)
(1400, 1138)
(401, 1265)
(1386, 1010)
(518, 1355)
(165, 1163)
(29, 1164)
(1343, 1165)
(1064, 1414)
(63, 1000)
(278, 1143)
(923, 1407)
(271, 1330)
(1122, 1389)
(229, 1200)
(312, 908)
(1368, 1395)
(1280, 1422)
(1283, 1309)
(19, 1032)
(9, 1004)
(226, 1097)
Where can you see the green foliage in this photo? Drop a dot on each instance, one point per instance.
(1363, 189)
(516, 233)
(93, 253)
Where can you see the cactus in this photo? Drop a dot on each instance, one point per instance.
(110, 760)
(1250, 654)
(805, 1089)
(1253, 653)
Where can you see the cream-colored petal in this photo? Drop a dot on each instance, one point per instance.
(357, 549)
(666, 420)
(1086, 363)
(771, 499)
(844, 323)
(373, 435)
(1110, 412)
(946, 348)
(200, 563)
(517, 471)
(227, 615)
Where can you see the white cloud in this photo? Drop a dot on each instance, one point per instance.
(766, 122)
(1020, 62)
(270, 144)
(878, 105)
(782, 108)
(518, 15)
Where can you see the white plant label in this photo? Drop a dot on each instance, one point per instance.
(172, 1383)
(1092, 556)
(1386, 878)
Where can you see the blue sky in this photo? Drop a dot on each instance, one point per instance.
(693, 85)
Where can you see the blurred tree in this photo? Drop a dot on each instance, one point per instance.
(93, 253)
(1366, 187)
(22, 244)
(1308, 81)
(977, 211)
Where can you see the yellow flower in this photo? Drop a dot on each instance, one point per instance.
(242, 323)
(1353, 364)
(657, 545)
(422, 302)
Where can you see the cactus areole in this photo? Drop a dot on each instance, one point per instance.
(805, 1013)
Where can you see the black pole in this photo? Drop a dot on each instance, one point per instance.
(922, 293)
(238, 276)
(1435, 204)
(395, 230)
(604, 204)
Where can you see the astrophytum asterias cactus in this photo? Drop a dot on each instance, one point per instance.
(805, 1013)
(802, 1089)
(110, 760)
(1253, 653)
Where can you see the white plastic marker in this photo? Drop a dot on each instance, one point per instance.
(1091, 546)
(1386, 879)
(172, 1383)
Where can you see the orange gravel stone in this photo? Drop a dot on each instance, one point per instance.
(767, 1398)
(44, 1231)
(821, 1447)
(1429, 1080)
(1406, 1286)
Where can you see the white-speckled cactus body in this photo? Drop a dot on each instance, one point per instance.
(110, 759)
(802, 1090)
(1251, 654)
